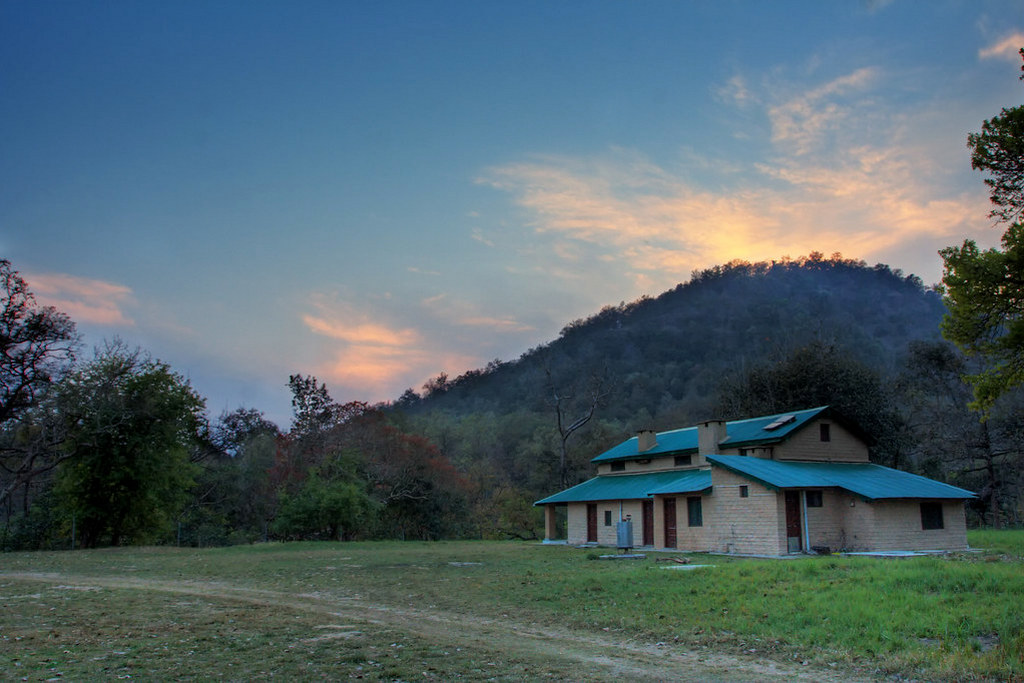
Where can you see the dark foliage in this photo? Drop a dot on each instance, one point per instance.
(666, 361)
(985, 288)
(37, 346)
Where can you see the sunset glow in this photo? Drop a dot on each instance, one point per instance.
(378, 195)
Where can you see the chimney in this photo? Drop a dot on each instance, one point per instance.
(709, 435)
(646, 440)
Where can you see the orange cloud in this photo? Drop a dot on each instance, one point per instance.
(376, 360)
(361, 333)
(84, 300)
(837, 182)
(372, 367)
(1007, 48)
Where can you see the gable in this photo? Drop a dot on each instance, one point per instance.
(822, 439)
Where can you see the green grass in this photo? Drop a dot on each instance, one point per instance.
(1005, 542)
(226, 612)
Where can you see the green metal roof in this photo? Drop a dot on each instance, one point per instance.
(675, 441)
(869, 481)
(633, 486)
(749, 432)
(768, 429)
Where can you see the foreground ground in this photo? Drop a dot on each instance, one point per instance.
(503, 611)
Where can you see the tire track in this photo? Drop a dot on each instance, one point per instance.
(601, 657)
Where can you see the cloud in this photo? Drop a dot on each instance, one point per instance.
(877, 5)
(370, 357)
(370, 368)
(802, 120)
(463, 314)
(478, 235)
(371, 352)
(736, 91)
(361, 333)
(842, 176)
(1008, 48)
(84, 300)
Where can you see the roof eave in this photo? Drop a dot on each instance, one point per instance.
(645, 456)
(753, 442)
(677, 493)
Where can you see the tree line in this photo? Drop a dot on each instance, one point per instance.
(118, 448)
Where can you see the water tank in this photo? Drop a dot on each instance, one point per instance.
(625, 535)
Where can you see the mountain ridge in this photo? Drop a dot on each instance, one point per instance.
(671, 350)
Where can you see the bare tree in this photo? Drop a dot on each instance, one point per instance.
(567, 403)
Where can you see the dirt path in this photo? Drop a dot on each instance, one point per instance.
(600, 657)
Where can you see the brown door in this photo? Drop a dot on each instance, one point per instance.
(793, 535)
(669, 508)
(591, 522)
(648, 514)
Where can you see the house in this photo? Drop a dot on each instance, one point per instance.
(773, 485)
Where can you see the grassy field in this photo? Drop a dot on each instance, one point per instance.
(507, 611)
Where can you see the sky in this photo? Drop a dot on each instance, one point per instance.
(377, 192)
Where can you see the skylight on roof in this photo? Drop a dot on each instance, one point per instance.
(780, 421)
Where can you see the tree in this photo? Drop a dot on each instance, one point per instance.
(985, 289)
(324, 509)
(814, 375)
(565, 400)
(314, 409)
(999, 150)
(233, 499)
(420, 493)
(985, 298)
(314, 430)
(132, 424)
(237, 428)
(37, 346)
(950, 444)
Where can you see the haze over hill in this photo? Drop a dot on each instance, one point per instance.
(662, 360)
(681, 357)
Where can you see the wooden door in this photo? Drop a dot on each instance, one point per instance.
(591, 522)
(669, 508)
(794, 537)
(648, 522)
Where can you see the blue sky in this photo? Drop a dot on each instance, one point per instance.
(374, 193)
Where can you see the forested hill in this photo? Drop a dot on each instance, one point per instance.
(663, 361)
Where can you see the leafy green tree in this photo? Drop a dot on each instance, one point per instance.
(133, 423)
(985, 289)
(999, 150)
(324, 509)
(985, 298)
